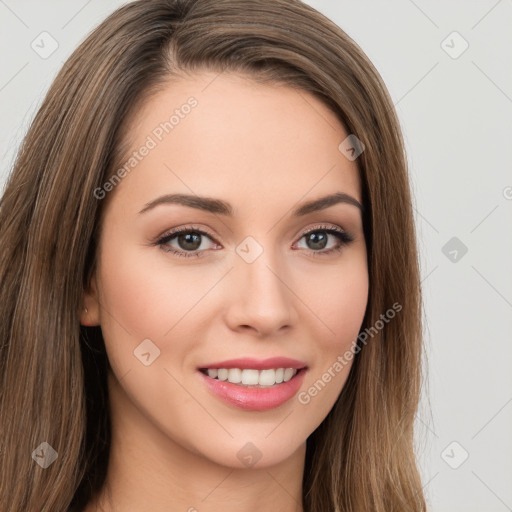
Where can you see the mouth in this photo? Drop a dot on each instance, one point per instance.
(251, 377)
(252, 384)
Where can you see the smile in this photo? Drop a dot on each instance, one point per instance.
(253, 397)
(251, 377)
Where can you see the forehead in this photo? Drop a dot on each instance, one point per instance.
(211, 133)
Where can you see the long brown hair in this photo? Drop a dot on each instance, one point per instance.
(53, 370)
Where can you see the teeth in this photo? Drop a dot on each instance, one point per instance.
(252, 378)
(235, 375)
(267, 378)
(288, 374)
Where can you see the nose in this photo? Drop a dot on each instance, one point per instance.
(261, 298)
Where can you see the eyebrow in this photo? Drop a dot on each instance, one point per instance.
(220, 207)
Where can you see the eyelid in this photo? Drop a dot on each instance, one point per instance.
(324, 226)
(200, 229)
(186, 228)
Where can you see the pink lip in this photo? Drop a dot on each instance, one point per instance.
(257, 364)
(255, 399)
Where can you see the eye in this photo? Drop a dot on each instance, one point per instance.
(317, 239)
(189, 240)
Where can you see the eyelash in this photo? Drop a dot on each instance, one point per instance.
(344, 238)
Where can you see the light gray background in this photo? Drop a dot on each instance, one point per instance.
(456, 115)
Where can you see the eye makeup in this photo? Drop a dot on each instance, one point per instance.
(344, 238)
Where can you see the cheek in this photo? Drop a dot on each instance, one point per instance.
(149, 296)
(340, 304)
(145, 295)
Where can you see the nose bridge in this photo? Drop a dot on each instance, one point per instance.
(262, 299)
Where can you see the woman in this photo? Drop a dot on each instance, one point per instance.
(209, 273)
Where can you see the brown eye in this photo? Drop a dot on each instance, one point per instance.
(317, 239)
(187, 242)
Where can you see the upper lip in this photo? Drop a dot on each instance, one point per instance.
(257, 364)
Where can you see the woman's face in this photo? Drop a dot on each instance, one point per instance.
(244, 279)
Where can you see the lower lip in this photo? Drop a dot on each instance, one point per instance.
(255, 399)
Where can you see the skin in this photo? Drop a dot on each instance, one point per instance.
(264, 149)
